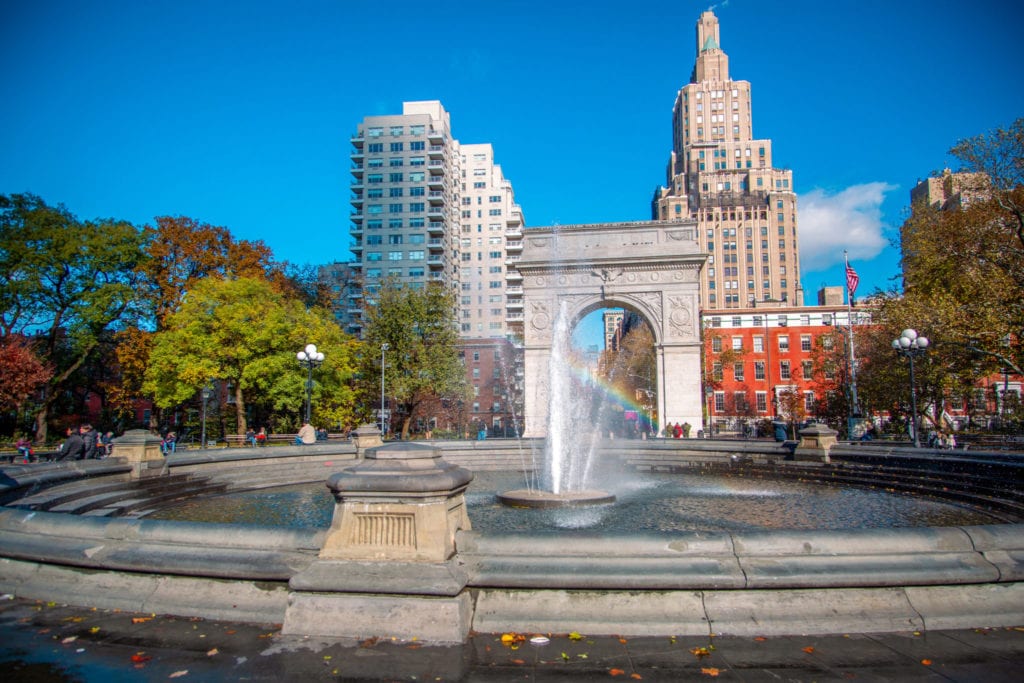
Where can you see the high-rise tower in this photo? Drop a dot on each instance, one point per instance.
(721, 176)
(427, 209)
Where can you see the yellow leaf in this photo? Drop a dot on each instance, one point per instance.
(575, 636)
(709, 671)
(94, 629)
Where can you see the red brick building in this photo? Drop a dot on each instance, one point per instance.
(495, 371)
(752, 356)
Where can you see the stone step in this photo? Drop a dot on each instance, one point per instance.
(131, 495)
(60, 494)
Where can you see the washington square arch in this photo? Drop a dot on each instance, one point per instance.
(652, 268)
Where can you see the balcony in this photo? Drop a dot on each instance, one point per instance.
(435, 227)
(437, 151)
(356, 216)
(435, 136)
(435, 259)
(515, 304)
(357, 201)
(512, 260)
(436, 197)
(356, 230)
(356, 249)
(357, 140)
(434, 163)
(357, 172)
(513, 246)
(511, 317)
(513, 274)
(357, 157)
(514, 289)
(512, 232)
(436, 211)
(435, 181)
(435, 243)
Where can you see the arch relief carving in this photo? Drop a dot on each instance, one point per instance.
(680, 317)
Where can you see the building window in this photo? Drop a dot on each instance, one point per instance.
(716, 372)
(737, 343)
(716, 344)
(762, 401)
(759, 370)
(395, 255)
(808, 369)
(396, 147)
(809, 402)
(783, 342)
(784, 370)
(719, 401)
(805, 342)
(737, 371)
(415, 256)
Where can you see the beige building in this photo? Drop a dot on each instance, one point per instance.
(724, 178)
(950, 190)
(490, 242)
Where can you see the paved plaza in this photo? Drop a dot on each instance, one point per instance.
(42, 641)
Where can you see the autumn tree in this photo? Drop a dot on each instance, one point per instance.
(65, 282)
(422, 361)
(245, 333)
(180, 252)
(21, 373)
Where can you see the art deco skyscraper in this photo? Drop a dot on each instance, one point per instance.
(719, 175)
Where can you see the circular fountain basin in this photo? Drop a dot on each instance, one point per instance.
(532, 498)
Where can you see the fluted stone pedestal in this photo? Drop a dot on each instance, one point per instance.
(815, 443)
(386, 567)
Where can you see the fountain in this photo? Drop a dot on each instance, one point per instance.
(571, 440)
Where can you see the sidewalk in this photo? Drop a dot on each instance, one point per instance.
(50, 642)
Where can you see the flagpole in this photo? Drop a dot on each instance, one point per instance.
(853, 360)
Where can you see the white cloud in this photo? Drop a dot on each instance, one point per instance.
(850, 220)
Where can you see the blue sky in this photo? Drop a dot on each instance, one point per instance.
(239, 113)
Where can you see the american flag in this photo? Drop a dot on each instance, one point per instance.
(852, 280)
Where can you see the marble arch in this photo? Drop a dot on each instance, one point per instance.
(650, 267)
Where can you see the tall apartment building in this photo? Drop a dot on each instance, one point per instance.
(723, 177)
(405, 199)
(427, 209)
(489, 244)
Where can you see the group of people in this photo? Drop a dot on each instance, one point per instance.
(678, 431)
(85, 443)
(941, 439)
(256, 438)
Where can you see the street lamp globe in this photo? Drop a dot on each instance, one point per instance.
(309, 358)
(910, 345)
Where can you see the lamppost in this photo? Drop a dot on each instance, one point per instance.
(309, 358)
(910, 345)
(206, 392)
(383, 347)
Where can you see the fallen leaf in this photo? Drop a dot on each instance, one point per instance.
(616, 672)
(709, 671)
(179, 674)
(69, 639)
(623, 641)
(672, 640)
(212, 652)
(575, 636)
(699, 652)
(926, 662)
(74, 620)
(517, 661)
(230, 632)
(636, 676)
(582, 656)
(94, 629)
(808, 649)
(565, 657)
(140, 620)
(139, 658)
(760, 639)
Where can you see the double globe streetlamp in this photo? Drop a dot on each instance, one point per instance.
(309, 358)
(910, 345)
(383, 426)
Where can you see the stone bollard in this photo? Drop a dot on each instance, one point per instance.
(389, 555)
(365, 437)
(815, 443)
(141, 450)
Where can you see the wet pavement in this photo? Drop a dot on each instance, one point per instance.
(42, 641)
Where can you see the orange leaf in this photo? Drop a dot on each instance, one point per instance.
(808, 650)
(140, 657)
(623, 641)
(636, 676)
(760, 639)
(616, 672)
(140, 620)
(709, 671)
(926, 662)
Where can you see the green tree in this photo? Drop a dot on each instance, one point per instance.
(246, 333)
(65, 282)
(422, 361)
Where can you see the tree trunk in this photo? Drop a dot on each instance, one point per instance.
(40, 436)
(240, 409)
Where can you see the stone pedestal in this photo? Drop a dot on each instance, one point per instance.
(141, 450)
(365, 437)
(390, 551)
(815, 443)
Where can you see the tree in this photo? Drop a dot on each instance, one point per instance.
(66, 283)
(422, 361)
(21, 372)
(245, 333)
